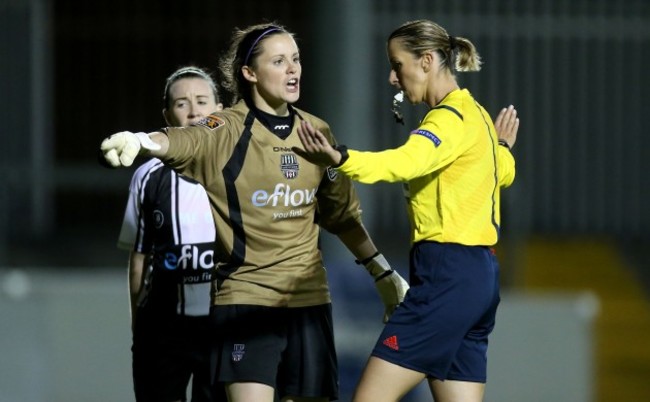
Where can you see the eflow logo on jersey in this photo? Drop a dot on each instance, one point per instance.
(282, 195)
(190, 256)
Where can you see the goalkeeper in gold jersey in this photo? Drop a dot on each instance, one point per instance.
(271, 307)
(454, 167)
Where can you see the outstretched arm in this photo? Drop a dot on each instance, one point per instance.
(121, 149)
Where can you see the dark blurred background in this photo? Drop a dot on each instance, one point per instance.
(577, 218)
(73, 72)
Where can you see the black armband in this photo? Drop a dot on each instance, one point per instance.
(343, 150)
(504, 143)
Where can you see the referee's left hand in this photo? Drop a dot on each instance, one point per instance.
(507, 125)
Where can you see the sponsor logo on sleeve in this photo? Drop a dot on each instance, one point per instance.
(428, 134)
(212, 122)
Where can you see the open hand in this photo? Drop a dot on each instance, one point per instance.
(316, 148)
(507, 125)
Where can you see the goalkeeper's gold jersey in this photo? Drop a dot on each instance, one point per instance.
(451, 166)
(266, 203)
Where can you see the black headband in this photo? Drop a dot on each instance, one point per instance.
(263, 34)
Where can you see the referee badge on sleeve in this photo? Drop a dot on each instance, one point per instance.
(428, 134)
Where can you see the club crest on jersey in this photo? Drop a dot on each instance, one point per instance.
(332, 173)
(238, 352)
(212, 122)
(289, 165)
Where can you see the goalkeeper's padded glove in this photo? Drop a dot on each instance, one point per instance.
(120, 149)
(390, 285)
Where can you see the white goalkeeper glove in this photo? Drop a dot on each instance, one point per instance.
(120, 149)
(390, 285)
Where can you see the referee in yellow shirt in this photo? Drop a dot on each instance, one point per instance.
(454, 168)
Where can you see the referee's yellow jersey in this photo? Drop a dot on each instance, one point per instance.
(452, 169)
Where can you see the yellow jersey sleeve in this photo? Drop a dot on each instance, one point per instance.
(438, 141)
(505, 167)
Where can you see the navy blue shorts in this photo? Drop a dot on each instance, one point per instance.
(441, 329)
(290, 349)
